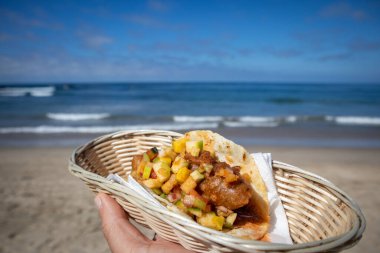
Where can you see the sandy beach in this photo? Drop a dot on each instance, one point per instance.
(45, 209)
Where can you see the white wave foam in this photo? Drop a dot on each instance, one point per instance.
(353, 120)
(197, 118)
(24, 91)
(291, 119)
(255, 119)
(102, 129)
(77, 116)
(249, 124)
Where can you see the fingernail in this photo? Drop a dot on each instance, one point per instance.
(98, 202)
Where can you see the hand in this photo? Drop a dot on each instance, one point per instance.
(122, 236)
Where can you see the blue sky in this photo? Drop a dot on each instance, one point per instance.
(261, 41)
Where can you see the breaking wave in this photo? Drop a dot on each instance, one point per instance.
(77, 116)
(27, 91)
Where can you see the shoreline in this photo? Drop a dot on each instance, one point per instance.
(293, 136)
(46, 209)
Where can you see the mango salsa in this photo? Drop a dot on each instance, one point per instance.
(188, 185)
(162, 171)
(211, 220)
(147, 171)
(174, 175)
(178, 163)
(152, 183)
(163, 159)
(230, 220)
(194, 147)
(169, 185)
(179, 145)
(197, 176)
(182, 174)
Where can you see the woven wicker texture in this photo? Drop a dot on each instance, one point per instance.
(321, 217)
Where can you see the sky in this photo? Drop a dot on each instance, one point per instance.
(154, 40)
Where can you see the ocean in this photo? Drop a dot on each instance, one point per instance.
(335, 115)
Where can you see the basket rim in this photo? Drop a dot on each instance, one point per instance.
(354, 233)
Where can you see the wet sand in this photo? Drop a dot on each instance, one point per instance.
(46, 209)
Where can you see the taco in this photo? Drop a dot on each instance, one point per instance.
(210, 178)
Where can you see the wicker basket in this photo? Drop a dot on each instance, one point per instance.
(321, 217)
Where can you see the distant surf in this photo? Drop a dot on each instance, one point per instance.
(77, 116)
(27, 91)
(185, 122)
(272, 121)
(354, 120)
(102, 129)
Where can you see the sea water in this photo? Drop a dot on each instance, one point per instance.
(59, 109)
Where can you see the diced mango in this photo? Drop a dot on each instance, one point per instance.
(169, 152)
(211, 220)
(188, 185)
(182, 174)
(163, 159)
(166, 160)
(178, 163)
(179, 145)
(152, 183)
(194, 147)
(169, 185)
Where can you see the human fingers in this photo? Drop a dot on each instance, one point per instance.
(120, 234)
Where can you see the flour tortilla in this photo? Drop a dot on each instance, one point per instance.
(235, 155)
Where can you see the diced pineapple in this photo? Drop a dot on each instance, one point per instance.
(188, 185)
(166, 160)
(194, 147)
(163, 159)
(182, 174)
(195, 211)
(169, 152)
(178, 163)
(230, 220)
(211, 220)
(152, 183)
(197, 176)
(162, 171)
(179, 145)
(169, 185)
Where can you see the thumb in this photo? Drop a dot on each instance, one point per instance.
(119, 233)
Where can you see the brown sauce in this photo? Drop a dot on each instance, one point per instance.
(247, 214)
